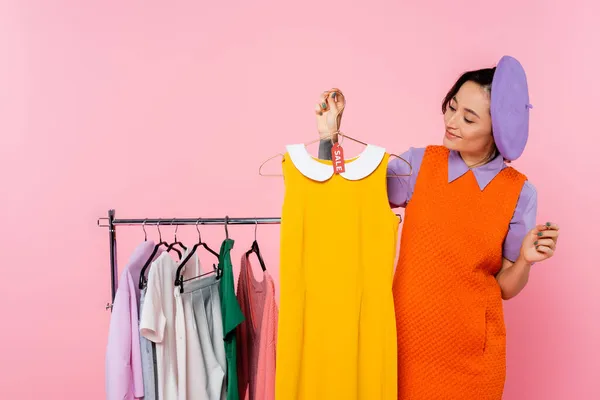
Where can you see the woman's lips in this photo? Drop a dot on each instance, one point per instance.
(451, 136)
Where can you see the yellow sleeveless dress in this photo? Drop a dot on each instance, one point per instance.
(337, 330)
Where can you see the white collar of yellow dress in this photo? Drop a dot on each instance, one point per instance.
(357, 168)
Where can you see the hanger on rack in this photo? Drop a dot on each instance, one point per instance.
(219, 266)
(334, 137)
(171, 246)
(256, 250)
(144, 229)
(178, 275)
(175, 241)
(161, 242)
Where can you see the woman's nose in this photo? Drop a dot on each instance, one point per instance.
(451, 122)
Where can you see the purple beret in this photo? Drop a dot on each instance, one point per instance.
(510, 108)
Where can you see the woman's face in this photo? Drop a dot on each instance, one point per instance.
(468, 122)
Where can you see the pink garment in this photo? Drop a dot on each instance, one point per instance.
(257, 335)
(123, 364)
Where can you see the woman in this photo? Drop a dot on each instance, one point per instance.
(469, 237)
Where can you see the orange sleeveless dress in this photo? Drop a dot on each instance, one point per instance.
(449, 317)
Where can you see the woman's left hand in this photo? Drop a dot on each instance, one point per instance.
(540, 243)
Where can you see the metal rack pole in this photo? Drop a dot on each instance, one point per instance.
(194, 221)
(112, 240)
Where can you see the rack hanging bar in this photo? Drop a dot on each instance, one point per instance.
(187, 221)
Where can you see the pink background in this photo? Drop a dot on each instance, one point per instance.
(166, 109)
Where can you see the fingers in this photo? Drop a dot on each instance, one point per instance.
(545, 243)
(552, 226)
(547, 234)
(547, 230)
(340, 100)
(545, 250)
(323, 102)
(318, 109)
(548, 226)
(332, 101)
(321, 106)
(327, 102)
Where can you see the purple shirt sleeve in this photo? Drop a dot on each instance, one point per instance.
(400, 188)
(523, 221)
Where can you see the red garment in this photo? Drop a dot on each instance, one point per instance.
(257, 335)
(450, 325)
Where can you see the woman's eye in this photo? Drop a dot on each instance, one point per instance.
(452, 108)
(467, 121)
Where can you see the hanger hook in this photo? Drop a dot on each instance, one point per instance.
(176, 226)
(226, 230)
(144, 228)
(198, 230)
(255, 227)
(159, 233)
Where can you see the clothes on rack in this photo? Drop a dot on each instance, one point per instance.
(337, 329)
(157, 323)
(182, 342)
(123, 365)
(257, 335)
(232, 316)
(200, 350)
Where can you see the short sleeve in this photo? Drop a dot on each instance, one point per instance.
(153, 320)
(232, 313)
(523, 220)
(400, 188)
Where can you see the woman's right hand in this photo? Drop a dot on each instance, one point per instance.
(329, 112)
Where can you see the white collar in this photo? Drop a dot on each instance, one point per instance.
(358, 168)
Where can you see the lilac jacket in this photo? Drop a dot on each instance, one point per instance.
(123, 367)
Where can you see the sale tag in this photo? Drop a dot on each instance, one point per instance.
(337, 157)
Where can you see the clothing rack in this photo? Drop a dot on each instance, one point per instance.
(112, 222)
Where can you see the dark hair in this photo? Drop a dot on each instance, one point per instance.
(483, 77)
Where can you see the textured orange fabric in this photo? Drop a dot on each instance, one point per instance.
(449, 317)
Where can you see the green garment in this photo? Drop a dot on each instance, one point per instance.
(232, 317)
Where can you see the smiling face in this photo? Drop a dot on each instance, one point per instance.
(468, 123)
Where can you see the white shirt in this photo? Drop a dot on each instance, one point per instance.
(157, 323)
